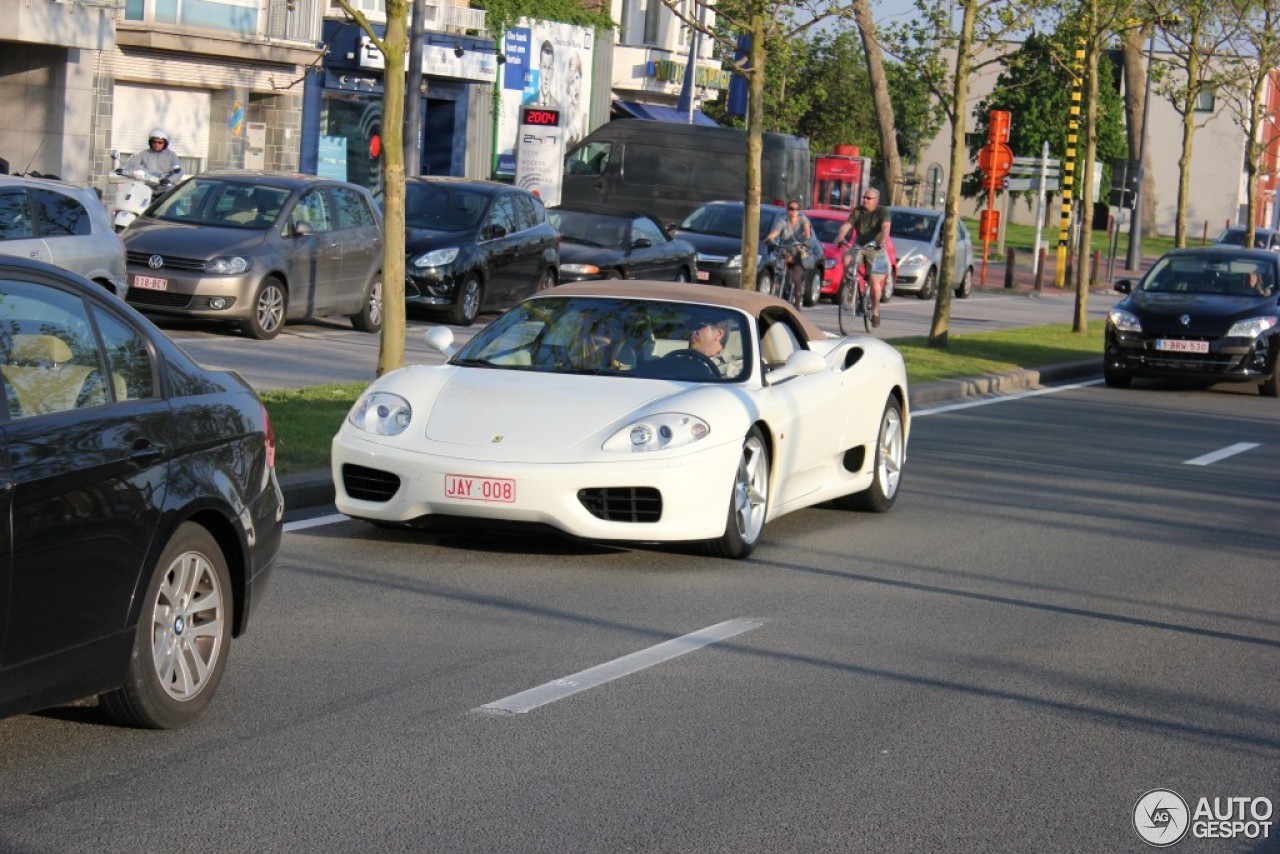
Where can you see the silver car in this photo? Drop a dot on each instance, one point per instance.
(917, 237)
(259, 248)
(63, 225)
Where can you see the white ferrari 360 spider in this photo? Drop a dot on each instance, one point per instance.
(632, 411)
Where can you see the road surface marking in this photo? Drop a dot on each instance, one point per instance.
(526, 701)
(303, 524)
(1229, 451)
(1003, 398)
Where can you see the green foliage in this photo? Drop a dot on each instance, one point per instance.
(1035, 87)
(502, 15)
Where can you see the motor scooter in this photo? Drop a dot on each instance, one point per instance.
(135, 190)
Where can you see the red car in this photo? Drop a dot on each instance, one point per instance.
(826, 223)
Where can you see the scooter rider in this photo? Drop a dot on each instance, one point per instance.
(159, 162)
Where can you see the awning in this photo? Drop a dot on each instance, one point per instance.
(663, 114)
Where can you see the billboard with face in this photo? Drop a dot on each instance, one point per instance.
(548, 64)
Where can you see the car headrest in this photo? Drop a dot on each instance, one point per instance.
(35, 349)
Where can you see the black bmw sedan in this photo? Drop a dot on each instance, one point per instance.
(475, 245)
(1209, 313)
(140, 515)
(598, 242)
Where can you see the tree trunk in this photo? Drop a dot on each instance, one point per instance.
(1184, 173)
(396, 40)
(1135, 99)
(891, 163)
(755, 145)
(959, 109)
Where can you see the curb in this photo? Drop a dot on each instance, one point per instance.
(315, 488)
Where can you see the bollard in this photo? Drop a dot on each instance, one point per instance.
(1094, 262)
(1040, 269)
(1009, 257)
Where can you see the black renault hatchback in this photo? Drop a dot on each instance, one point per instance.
(475, 245)
(140, 515)
(1209, 313)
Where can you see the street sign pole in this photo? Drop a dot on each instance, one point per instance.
(1044, 177)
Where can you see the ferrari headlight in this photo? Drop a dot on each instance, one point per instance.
(580, 269)
(437, 258)
(227, 266)
(658, 433)
(1251, 328)
(381, 413)
(1124, 321)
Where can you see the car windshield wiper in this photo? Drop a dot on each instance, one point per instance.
(583, 241)
(474, 363)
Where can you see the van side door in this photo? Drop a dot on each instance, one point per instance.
(585, 168)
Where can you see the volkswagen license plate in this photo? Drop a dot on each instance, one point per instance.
(467, 488)
(1177, 345)
(150, 283)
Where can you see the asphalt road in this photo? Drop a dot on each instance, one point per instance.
(1073, 602)
(331, 351)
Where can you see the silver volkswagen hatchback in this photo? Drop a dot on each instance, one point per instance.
(259, 248)
(63, 225)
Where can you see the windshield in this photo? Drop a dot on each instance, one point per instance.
(644, 339)
(1209, 274)
(590, 229)
(227, 204)
(436, 207)
(826, 229)
(913, 226)
(726, 220)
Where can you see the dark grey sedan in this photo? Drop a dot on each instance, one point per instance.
(259, 248)
(598, 242)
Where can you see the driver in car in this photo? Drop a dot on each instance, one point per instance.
(707, 338)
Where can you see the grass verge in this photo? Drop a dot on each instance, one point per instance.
(306, 419)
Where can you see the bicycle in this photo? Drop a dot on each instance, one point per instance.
(786, 289)
(852, 300)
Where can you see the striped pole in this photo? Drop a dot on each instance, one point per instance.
(1069, 165)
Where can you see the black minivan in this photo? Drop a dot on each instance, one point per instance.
(668, 169)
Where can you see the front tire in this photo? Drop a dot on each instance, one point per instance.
(966, 284)
(1114, 377)
(814, 289)
(1270, 387)
(764, 283)
(182, 639)
(890, 455)
(886, 290)
(683, 275)
(369, 318)
(470, 295)
(748, 503)
(930, 284)
(269, 306)
(548, 280)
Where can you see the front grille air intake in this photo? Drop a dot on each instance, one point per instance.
(623, 503)
(368, 484)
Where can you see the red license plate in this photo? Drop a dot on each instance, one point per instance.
(150, 283)
(1177, 345)
(464, 487)
(703, 276)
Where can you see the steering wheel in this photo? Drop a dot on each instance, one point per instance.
(700, 359)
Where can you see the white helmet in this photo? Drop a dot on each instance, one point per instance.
(158, 133)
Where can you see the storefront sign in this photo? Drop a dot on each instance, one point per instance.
(439, 61)
(540, 153)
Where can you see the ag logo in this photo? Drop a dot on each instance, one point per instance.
(1161, 817)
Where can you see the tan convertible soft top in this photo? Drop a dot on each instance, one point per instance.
(751, 302)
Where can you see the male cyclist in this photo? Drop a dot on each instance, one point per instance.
(869, 223)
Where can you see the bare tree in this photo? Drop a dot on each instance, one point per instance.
(1196, 33)
(393, 46)
(1256, 49)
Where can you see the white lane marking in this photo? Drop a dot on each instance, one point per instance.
(1229, 451)
(526, 701)
(1004, 398)
(303, 524)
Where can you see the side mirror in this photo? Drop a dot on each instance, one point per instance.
(641, 243)
(302, 229)
(799, 364)
(493, 231)
(440, 338)
(1124, 286)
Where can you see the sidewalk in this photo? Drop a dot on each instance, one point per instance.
(1024, 279)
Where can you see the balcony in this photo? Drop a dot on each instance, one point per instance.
(276, 30)
(440, 17)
